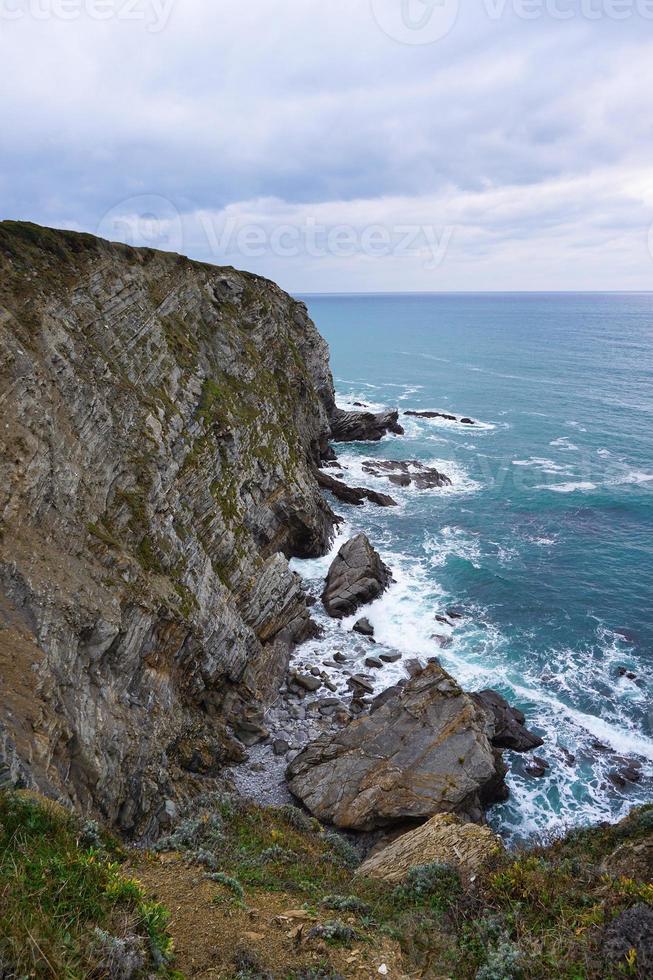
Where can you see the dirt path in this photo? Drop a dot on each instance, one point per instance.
(209, 935)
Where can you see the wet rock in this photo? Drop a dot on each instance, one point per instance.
(407, 472)
(443, 641)
(629, 772)
(307, 682)
(456, 613)
(467, 421)
(633, 929)
(444, 839)
(433, 415)
(340, 658)
(363, 426)
(424, 751)
(509, 724)
(537, 768)
(374, 663)
(352, 495)
(364, 627)
(413, 666)
(390, 658)
(357, 576)
(359, 683)
(443, 619)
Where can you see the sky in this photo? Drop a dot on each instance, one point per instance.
(342, 145)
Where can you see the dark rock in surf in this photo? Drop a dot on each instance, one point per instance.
(509, 723)
(352, 495)
(364, 627)
(407, 472)
(357, 576)
(364, 426)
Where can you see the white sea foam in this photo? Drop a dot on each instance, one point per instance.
(564, 443)
(582, 486)
(634, 477)
(544, 465)
(451, 542)
(452, 424)
(351, 465)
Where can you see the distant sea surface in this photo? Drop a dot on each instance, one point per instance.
(545, 539)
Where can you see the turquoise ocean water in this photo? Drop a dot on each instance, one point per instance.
(545, 539)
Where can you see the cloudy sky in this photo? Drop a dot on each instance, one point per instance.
(342, 145)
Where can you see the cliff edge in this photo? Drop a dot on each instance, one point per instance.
(160, 424)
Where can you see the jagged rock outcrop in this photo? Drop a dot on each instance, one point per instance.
(353, 495)
(357, 576)
(444, 839)
(509, 723)
(426, 749)
(407, 472)
(161, 422)
(363, 426)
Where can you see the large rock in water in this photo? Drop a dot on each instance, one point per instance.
(363, 426)
(509, 723)
(161, 421)
(425, 750)
(444, 839)
(357, 576)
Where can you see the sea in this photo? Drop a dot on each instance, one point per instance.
(543, 543)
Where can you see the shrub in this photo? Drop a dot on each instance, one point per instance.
(346, 903)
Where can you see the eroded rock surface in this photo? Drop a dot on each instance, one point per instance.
(444, 839)
(161, 423)
(363, 426)
(510, 731)
(353, 495)
(404, 473)
(424, 750)
(357, 576)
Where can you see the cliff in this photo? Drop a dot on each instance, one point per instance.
(160, 422)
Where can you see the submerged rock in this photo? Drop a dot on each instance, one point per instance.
(363, 426)
(357, 576)
(425, 750)
(444, 839)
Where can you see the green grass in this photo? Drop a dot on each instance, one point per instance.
(66, 910)
(536, 914)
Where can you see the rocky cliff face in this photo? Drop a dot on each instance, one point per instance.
(160, 421)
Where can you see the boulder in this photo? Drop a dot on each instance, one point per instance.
(357, 576)
(509, 729)
(444, 839)
(364, 627)
(363, 426)
(426, 750)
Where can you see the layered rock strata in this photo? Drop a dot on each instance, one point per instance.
(161, 423)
